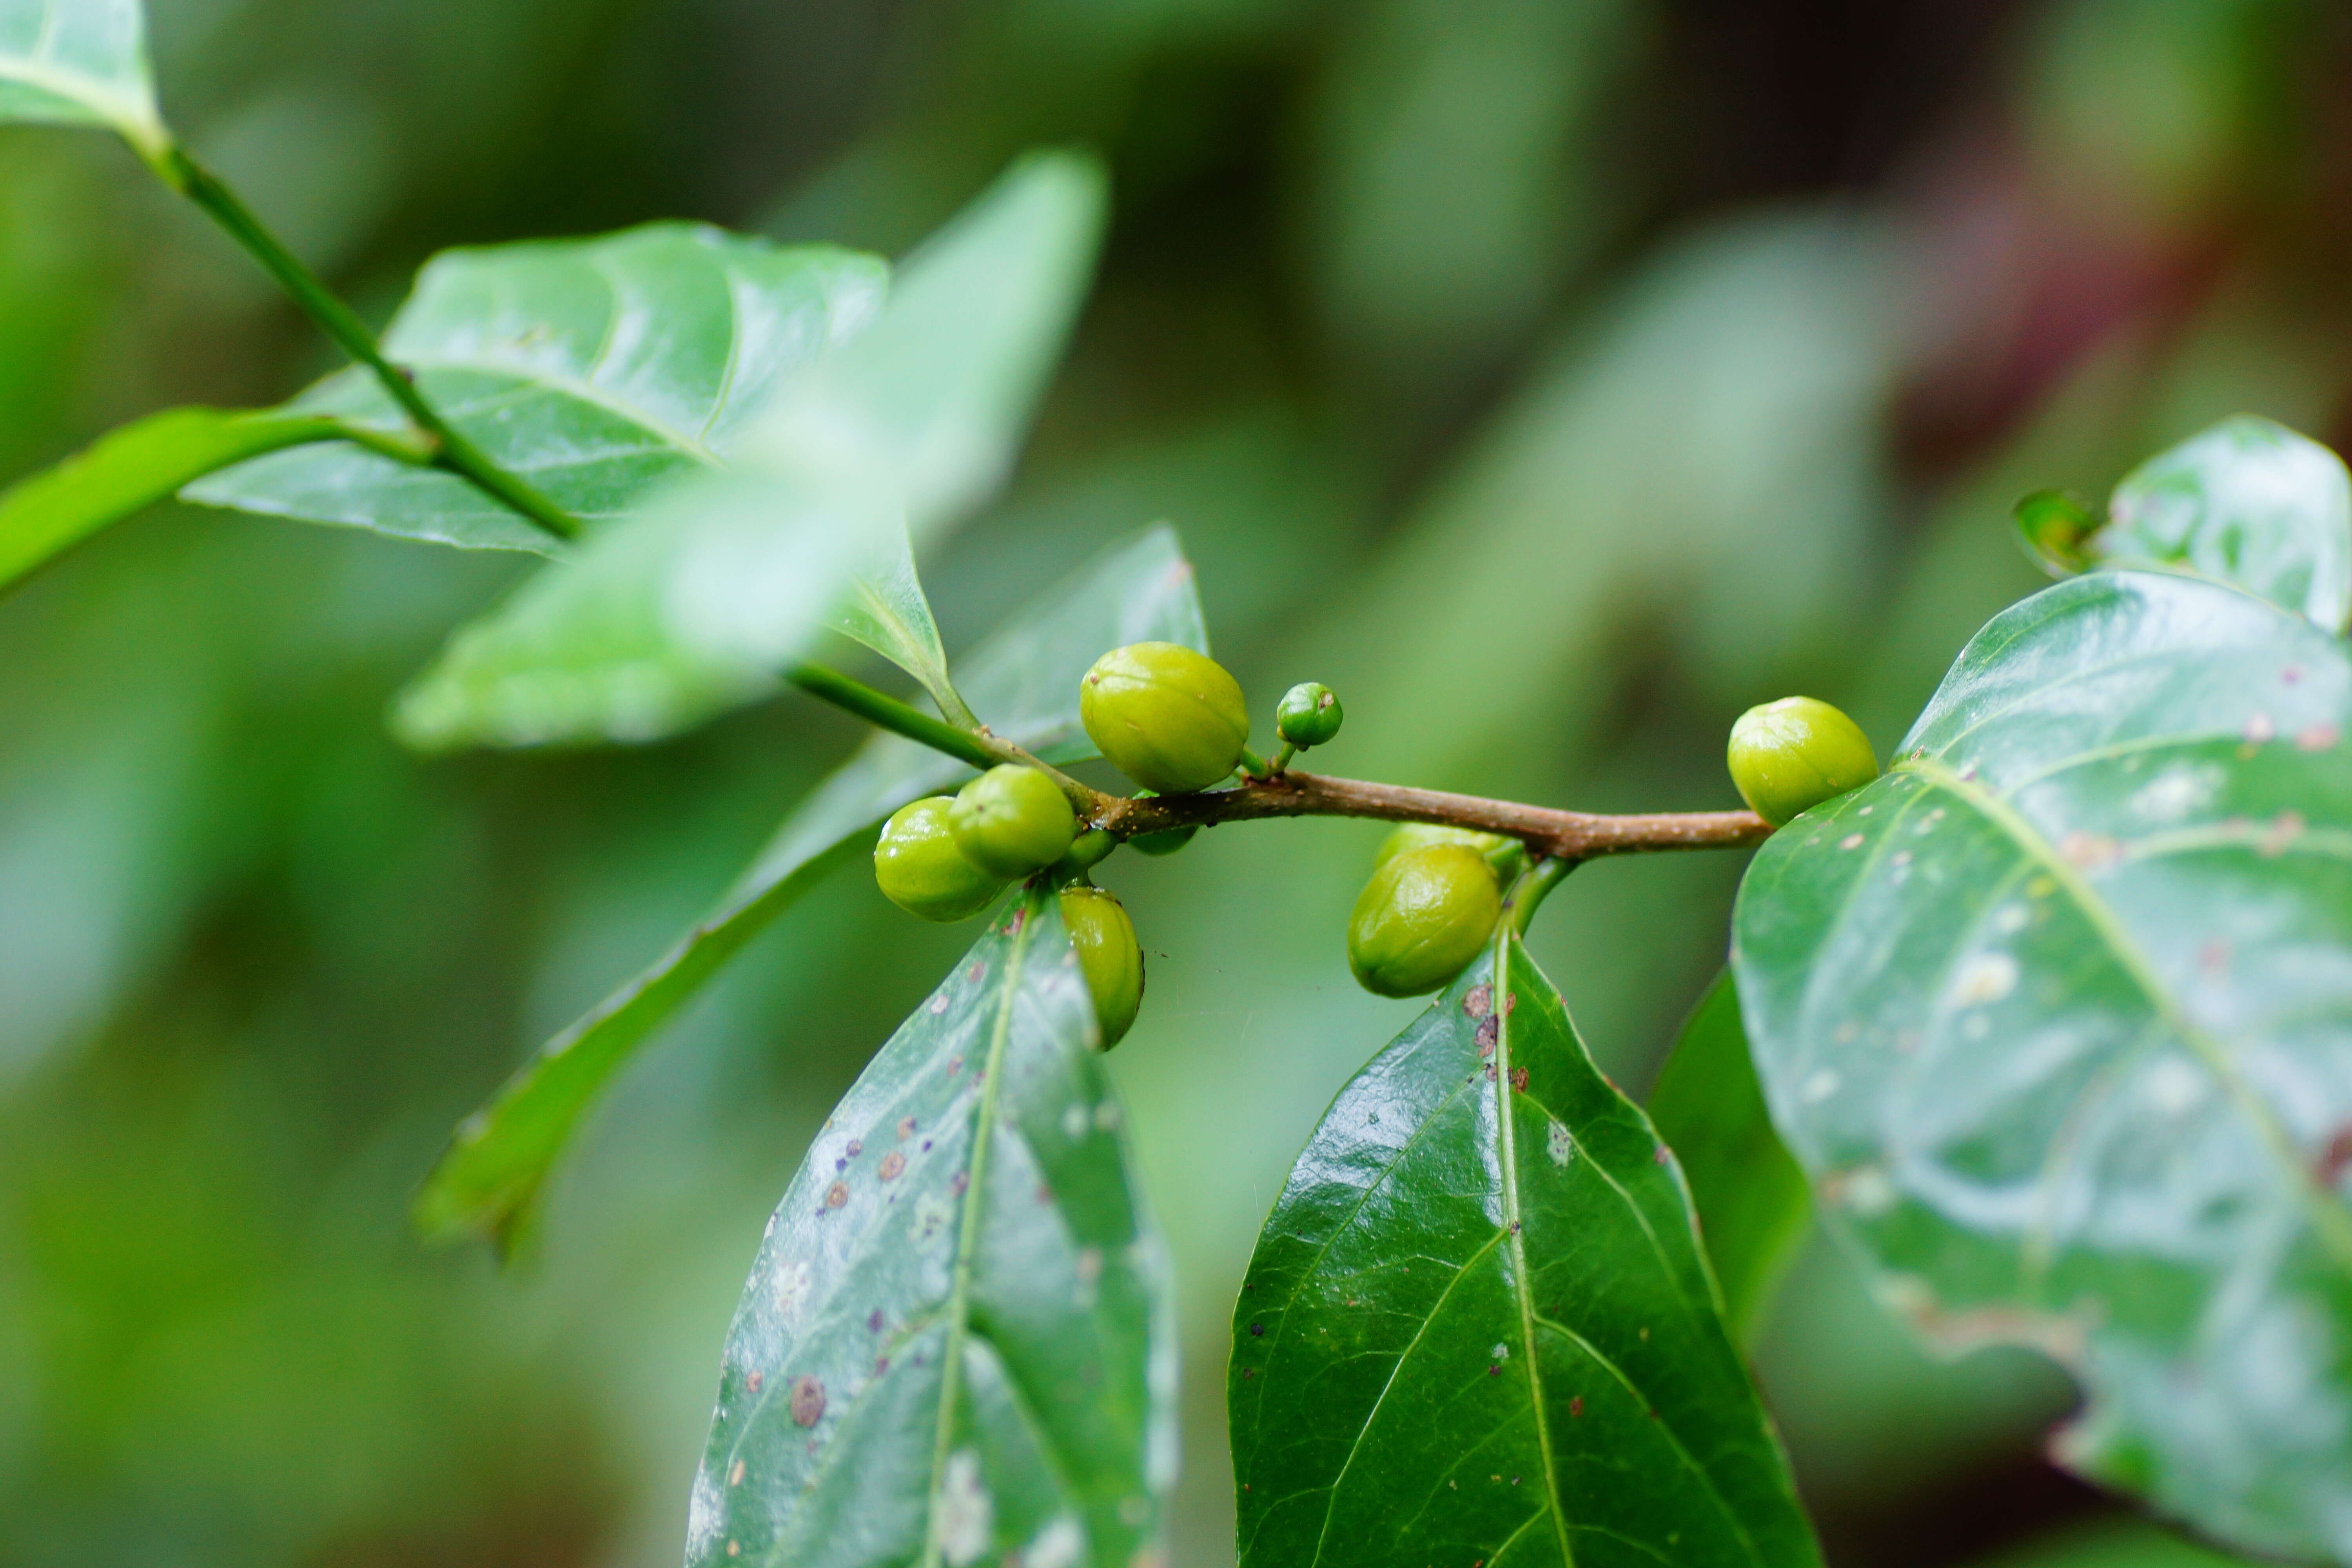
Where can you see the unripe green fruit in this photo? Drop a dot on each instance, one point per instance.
(1013, 820)
(1309, 715)
(1789, 756)
(922, 871)
(1417, 834)
(1167, 718)
(1165, 843)
(1109, 956)
(1420, 920)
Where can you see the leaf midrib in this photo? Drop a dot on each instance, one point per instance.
(2328, 1215)
(959, 1311)
(1522, 1288)
(132, 118)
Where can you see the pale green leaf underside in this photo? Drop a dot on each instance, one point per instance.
(2248, 502)
(1025, 681)
(721, 580)
(596, 369)
(957, 1343)
(130, 470)
(1753, 1202)
(1478, 1329)
(2058, 1017)
(79, 62)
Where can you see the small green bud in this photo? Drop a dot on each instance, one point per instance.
(922, 871)
(1013, 820)
(1789, 756)
(1417, 834)
(1420, 920)
(1309, 715)
(1167, 718)
(1109, 956)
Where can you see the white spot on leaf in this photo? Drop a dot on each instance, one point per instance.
(1558, 1143)
(1058, 1545)
(966, 1513)
(1985, 977)
(1819, 1086)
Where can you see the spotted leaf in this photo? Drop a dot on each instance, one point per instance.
(2057, 1015)
(956, 1346)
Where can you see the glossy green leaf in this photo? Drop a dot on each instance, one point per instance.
(1478, 1327)
(2056, 1017)
(133, 469)
(597, 369)
(1025, 681)
(693, 605)
(79, 62)
(2248, 502)
(958, 1343)
(1751, 1199)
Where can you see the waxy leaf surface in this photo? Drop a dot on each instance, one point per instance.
(2057, 1015)
(596, 369)
(957, 1344)
(131, 469)
(1752, 1200)
(79, 62)
(721, 579)
(1024, 679)
(1478, 1327)
(2248, 502)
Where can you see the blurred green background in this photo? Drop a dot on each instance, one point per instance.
(1554, 378)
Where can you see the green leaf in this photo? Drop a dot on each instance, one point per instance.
(597, 369)
(1025, 680)
(2055, 1015)
(693, 606)
(957, 1344)
(2248, 502)
(2054, 527)
(1478, 1327)
(80, 62)
(1751, 1199)
(887, 611)
(131, 469)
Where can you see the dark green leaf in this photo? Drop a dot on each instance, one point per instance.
(2248, 502)
(2055, 1017)
(79, 62)
(957, 1344)
(133, 469)
(697, 603)
(1478, 1328)
(596, 369)
(2053, 527)
(1024, 679)
(1751, 1199)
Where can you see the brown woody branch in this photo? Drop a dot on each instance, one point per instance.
(1561, 834)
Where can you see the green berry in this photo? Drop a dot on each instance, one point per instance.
(1309, 715)
(1108, 955)
(922, 871)
(1416, 835)
(1164, 843)
(1789, 756)
(1167, 718)
(1013, 820)
(1420, 920)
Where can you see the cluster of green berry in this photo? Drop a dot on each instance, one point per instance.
(1174, 721)
(1171, 720)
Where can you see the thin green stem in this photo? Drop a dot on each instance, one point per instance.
(898, 718)
(1281, 759)
(1529, 894)
(451, 452)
